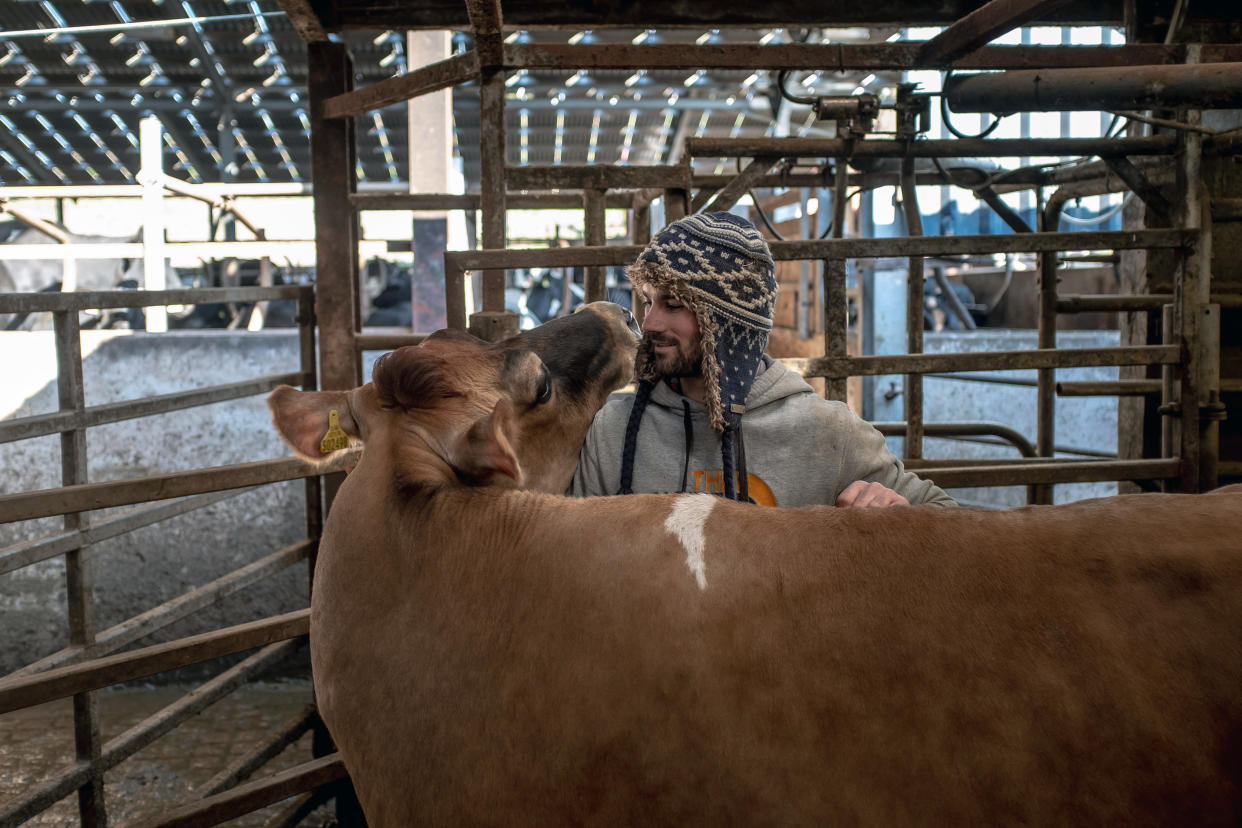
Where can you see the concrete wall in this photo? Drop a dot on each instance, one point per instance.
(141, 570)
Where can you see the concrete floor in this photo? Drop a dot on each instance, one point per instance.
(37, 742)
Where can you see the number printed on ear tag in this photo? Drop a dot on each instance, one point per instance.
(335, 439)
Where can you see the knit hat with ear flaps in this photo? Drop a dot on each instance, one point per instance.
(719, 266)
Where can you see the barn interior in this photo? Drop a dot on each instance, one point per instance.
(1026, 204)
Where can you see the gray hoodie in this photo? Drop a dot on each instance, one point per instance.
(800, 448)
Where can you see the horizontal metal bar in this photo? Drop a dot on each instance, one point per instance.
(1124, 303)
(386, 342)
(1004, 432)
(1074, 471)
(247, 798)
(861, 366)
(40, 425)
(173, 610)
(955, 148)
(1016, 381)
(838, 56)
(88, 496)
(842, 248)
(595, 177)
(255, 249)
(50, 791)
(29, 552)
(80, 301)
(1115, 388)
(1080, 303)
(102, 672)
(470, 201)
(241, 770)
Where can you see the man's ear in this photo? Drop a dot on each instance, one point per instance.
(313, 423)
(485, 453)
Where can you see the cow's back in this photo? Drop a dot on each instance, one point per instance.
(539, 661)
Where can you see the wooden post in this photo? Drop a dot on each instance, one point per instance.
(336, 222)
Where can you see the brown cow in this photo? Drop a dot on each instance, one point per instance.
(485, 655)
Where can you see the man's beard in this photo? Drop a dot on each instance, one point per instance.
(679, 363)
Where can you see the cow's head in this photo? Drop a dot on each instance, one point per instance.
(457, 410)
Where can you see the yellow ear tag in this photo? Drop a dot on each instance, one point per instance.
(335, 439)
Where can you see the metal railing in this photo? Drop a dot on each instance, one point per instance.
(92, 661)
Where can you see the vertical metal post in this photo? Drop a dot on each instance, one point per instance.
(455, 297)
(310, 382)
(914, 313)
(492, 176)
(1170, 390)
(596, 233)
(640, 222)
(336, 221)
(78, 578)
(1197, 432)
(676, 204)
(1045, 390)
(836, 316)
(151, 175)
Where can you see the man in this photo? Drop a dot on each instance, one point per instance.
(712, 412)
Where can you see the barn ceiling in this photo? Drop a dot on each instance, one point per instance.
(76, 77)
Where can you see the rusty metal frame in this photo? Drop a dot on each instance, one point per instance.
(593, 188)
(89, 662)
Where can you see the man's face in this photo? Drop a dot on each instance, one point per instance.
(673, 332)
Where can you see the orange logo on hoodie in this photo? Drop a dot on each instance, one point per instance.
(713, 483)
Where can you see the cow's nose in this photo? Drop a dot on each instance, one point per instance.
(632, 324)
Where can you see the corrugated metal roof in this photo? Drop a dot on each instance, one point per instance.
(71, 99)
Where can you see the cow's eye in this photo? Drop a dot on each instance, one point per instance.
(545, 391)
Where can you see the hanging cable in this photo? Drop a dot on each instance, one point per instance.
(944, 114)
(786, 94)
(1101, 218)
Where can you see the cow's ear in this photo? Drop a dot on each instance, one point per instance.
(485, 453)
(314, 423)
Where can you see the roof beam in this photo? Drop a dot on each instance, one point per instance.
(843, 56)
(305, 20)
(488, 34)
(429, 78)
(989, 21)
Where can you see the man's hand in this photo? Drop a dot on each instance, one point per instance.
(861, 495)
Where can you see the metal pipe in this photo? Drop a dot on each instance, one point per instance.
(1205, 86)
(16, 694)
(1004, 432)
(50, 502)
(45, 548)
(1114, 388)
(1052, 472)
(862, 366)
(836, 314)
(956, 148)
(851, 248)
(913, 400)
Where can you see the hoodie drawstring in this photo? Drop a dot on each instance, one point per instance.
(688, 427)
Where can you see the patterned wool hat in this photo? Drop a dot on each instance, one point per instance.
(719, 266)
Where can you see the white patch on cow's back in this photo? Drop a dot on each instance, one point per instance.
(685, 522)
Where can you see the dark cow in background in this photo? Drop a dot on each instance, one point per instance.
(487, 655)
(47, 275)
